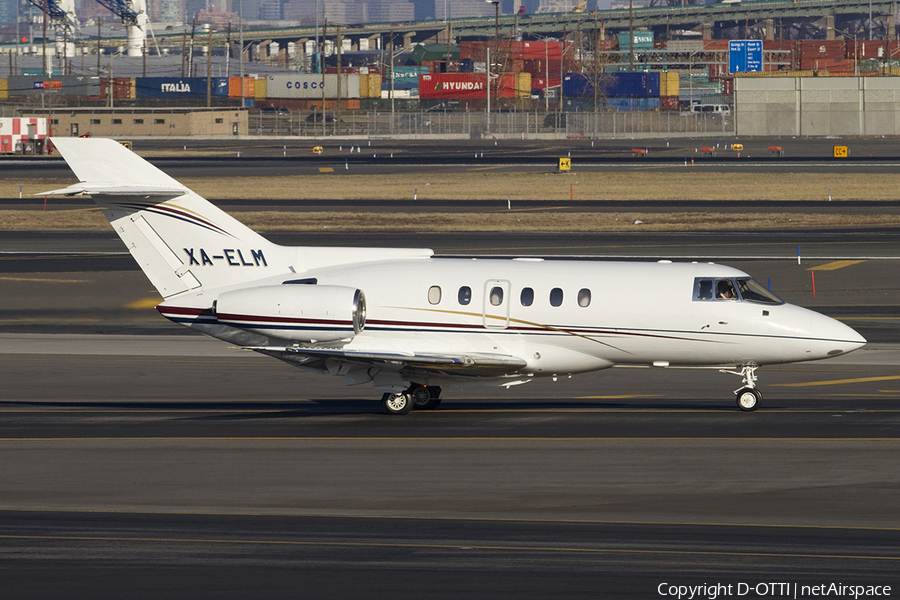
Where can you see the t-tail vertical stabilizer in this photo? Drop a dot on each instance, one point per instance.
(180, 240)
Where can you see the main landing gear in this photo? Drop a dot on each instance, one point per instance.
(417, 396)
(748, 397)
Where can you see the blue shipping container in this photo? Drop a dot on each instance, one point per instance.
(179, 87)
(629, 104)
(618, 85)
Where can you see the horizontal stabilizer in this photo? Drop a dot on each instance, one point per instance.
(86, 188)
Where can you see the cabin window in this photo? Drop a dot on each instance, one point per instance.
(584, 297)
(138, 121)
(159, 121)
(465, 295)
(95, 121)
(752, 291)
(219, 121)
(556, 297)
(527, 296)
(434, 294)
(496, 296)
(117, 121)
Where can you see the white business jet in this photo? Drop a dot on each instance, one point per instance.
(409, 322)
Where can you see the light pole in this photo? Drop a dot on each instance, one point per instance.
(855, 49)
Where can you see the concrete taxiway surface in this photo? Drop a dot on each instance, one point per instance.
(139, 460)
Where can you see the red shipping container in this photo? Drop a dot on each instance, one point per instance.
(865, 49)
(452, 85)
(540, 83)
(714, 45)
(540, 68)
(811, 49)
(465, 85)
(668, 102)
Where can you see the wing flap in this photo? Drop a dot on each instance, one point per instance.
(473, 364)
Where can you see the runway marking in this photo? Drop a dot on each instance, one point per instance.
(543, 208)
(144, 303)
(484, 168)
(838, 381)
(396, 517)
(834, 266)
(455, 546)
(45, 280)
(326, 170)
(445, 439)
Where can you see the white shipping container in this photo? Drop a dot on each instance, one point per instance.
(309, 86)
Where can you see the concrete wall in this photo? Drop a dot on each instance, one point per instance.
(817, 106)
(137, 122)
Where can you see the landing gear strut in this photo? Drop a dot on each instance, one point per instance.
(748, 397)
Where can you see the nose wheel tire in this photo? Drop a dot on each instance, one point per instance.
(426, 397)
(397, 404)
(749, 399)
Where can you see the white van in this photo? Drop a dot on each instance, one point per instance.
(720, 109)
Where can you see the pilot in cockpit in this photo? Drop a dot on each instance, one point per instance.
(725, 290)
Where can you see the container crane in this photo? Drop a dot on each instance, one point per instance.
(134, 16)
(60, 16)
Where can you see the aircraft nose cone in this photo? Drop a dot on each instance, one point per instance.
(832, 338)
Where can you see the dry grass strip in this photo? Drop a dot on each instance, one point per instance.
(68, 220)
(487, 184)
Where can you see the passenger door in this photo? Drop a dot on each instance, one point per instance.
(495, 312)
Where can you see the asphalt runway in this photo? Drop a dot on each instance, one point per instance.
(139, 460)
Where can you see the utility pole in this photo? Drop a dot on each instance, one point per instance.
(631, 36)
(209, 69)
(340, 76)
(44, 51)
(99, 22)
(324, 37)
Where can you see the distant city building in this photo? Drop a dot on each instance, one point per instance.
(349, 12)
(546, 6)
(460, 9)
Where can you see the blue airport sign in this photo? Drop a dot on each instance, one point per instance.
(745, 55)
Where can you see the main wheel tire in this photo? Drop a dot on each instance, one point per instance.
(397, 404)
(749, 399)
(425, 398)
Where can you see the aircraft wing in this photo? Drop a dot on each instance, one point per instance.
(474, 364)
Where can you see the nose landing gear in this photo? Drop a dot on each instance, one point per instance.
(748, 397)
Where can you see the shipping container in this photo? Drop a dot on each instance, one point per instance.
(259, 88)
(65, 85)
(238, 90)
(668, 83)
(180, 87)
(4, 89)
(621, 85)
(539, 83)
(642, 41)
(684, 46)
(311, 86)
(715, 45)
(452, 85)
(668, 103)
(865, 49)
(813, 49)
(477, 51)
(374, 84)
(632, 104)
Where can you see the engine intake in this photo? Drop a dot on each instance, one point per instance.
(299, 313)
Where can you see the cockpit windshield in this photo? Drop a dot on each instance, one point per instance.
(751, 291)
(733, 290)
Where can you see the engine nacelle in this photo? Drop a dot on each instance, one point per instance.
(295, 312)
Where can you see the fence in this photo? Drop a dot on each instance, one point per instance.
(474, 124)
